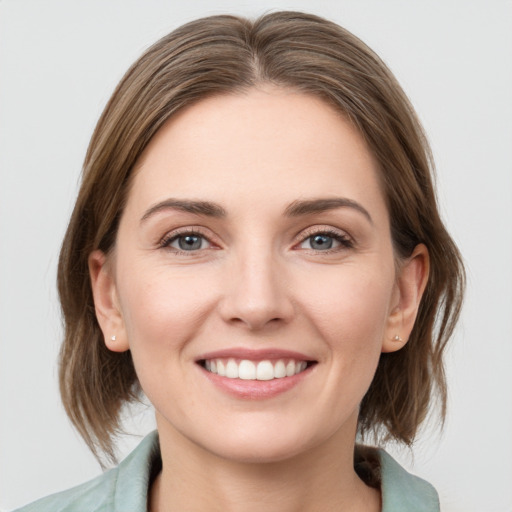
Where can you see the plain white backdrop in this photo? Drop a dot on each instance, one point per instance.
(59, 62)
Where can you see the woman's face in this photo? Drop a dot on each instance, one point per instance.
(253, 277)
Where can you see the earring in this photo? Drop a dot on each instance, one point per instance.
(113, 338)
(397, 338)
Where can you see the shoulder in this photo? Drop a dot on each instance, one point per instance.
(94, 496)
(127, 484)
(402, 491)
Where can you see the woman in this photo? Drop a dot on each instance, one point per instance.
(256, 246)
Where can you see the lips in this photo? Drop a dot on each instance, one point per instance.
(249, 375)
(250, 365)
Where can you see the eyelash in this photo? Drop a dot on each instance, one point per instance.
(345, 241)
(168, 239)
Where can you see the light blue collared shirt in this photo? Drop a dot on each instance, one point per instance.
(125, 488)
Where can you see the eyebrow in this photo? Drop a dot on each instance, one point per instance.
(294, 209)
(206, 208)
(306, 207)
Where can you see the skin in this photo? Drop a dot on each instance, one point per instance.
(257, 281)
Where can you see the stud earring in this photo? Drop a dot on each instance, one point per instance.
(397, 338)
(113, 338)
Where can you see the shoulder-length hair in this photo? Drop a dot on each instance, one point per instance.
(228, 54)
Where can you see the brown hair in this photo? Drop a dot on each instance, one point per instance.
(224, 54)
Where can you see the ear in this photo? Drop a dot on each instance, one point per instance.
(106, 302)
(410, 285)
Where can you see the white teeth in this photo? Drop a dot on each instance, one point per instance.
(265, 370)
(279, 370)
(232, 370)
(247, 370)
(252, 370)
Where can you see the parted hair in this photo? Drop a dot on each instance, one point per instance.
(228, 54)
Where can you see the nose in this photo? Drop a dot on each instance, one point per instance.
(257, 293)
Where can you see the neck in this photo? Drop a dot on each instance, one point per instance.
(322, 479)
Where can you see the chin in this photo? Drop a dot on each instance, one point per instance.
(258, 452)
(268, 444)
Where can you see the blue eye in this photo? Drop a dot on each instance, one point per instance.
(321, 242)
(326, 241)
(188, 242)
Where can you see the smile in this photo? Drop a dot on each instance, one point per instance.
(246, 369)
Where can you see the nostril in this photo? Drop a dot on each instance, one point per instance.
(256, 321)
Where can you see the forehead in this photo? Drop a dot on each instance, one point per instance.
(262, 144)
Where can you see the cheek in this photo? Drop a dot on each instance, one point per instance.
(163, 309)
(354, 306)
(352, 320)
(162, 313)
